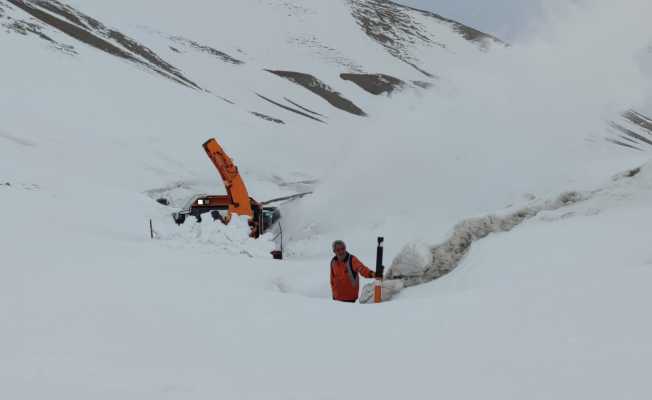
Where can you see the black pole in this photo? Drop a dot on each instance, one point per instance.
(280, 227)
(379, 257)
(151, 230)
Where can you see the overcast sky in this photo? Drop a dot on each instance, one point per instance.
(504, 18)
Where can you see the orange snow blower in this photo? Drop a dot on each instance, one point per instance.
(262, 217)
(237, 195)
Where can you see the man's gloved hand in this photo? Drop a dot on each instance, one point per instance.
(377, 274)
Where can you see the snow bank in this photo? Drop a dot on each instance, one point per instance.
(417, 263)
(413, 259)
(411, 267)
(231, 239)
(100, 311)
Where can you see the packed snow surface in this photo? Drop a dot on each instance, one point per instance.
(555, 307)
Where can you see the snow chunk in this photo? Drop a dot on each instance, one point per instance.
(390, 288)
(412, 260)
(230, 239)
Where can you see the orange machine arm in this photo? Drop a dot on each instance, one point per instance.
(235, 188)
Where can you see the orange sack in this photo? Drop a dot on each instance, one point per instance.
(345, 280)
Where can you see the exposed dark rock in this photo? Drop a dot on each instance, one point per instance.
(60, 9)
(206, 49)
(290, 109)
(302, 107)
(639, 119)
(627, 133)
(320, 89)
(422, 84)
(224, 99)
(395, 27)
(621, 143)
(87, 22)
(268, 118)
(95, 34)
(629, 138)
(633, 172)
(375, 83)
(163, 201)
(628, 174)
(26, 28)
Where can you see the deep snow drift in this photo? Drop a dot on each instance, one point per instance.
(93, 308)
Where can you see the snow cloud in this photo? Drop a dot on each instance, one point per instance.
(531, 118)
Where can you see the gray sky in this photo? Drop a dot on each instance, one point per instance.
(504, 18)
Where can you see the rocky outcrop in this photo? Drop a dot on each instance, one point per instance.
(397, 28)
(320, 89)
(93, 33)
(205, 49)
(303, 114)
(394, 27)
(306, 109)
(268, 118)
(375, 84)
(633, 131)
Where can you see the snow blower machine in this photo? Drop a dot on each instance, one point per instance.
(263, 218)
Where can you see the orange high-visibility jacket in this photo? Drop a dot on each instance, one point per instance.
(345, 280)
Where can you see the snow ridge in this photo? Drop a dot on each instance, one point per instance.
(407, 270)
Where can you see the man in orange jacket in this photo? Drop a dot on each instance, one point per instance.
(345, 271)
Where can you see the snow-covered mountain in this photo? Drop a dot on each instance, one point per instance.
(301, 36)
(278, 71)
(515, 173)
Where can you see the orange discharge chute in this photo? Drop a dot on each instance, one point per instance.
(239, 200)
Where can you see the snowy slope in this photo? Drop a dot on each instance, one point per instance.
(527, 315)
(104, 106)
(218, 94)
